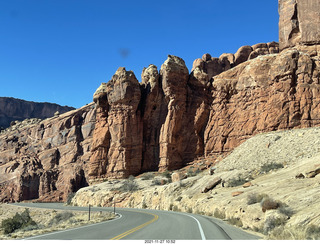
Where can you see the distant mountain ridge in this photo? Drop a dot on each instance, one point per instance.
(12, 109)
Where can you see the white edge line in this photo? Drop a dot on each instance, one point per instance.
(81, 227)
(203, 237)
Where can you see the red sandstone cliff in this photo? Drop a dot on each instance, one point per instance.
(171, 117)
(46, 159)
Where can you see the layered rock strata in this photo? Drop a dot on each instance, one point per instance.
(268, 93)
(12, 109)
(48, 159)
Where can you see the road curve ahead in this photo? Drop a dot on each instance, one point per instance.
(143, 224)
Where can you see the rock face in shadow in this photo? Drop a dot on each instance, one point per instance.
(12, 109)
(46, 159)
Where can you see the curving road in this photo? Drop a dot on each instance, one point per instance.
(142, 224)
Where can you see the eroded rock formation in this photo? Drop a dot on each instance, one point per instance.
(182, 116)
(47, 159)
(172, 117)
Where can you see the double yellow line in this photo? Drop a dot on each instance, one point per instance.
(136, 228)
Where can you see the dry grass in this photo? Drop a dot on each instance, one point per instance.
(44, 219)
(311, 232)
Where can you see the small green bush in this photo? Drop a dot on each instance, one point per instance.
(237, 181)
(189, 210)
(129, 185)
(313, 232)
(70, 197)
(175, 208)
(156, 182)
(235, 221)
(179, 198)
(219, 214)
(271, 166)
(171, 206)
(286, 210)
(191, 172)
(60, 217)
(167, 175)
(147, 176)
(18, 221)
(255, 198)
(271, 223)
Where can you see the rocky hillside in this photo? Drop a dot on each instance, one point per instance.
(12, 109)
(269, 184)
(46, 159)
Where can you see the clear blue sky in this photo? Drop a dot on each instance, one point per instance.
(61, 50)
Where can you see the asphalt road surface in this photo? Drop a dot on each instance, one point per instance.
(143, 224)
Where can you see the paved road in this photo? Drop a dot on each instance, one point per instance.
(142, 224)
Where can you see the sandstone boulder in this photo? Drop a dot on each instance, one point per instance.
(313, 173)
(236, 193)
(216, 181)
(242, 54)
(247, 184)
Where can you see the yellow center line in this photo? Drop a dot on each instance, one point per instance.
(118, 237)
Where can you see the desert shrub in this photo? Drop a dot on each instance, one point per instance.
(219, 214)
(18, 221)
(70, 197)
(175, 208)
(272, 222)
(255, 198)
(312, 232)
(237, 181)
(191, 172)
(189, 210)
(129, 185)
(179, 198)
(144, 205)
(235, 221)
(286, 210)
(147, 176)
(60, 217)
(156, 182)
(258, 229)
(271, 166)
(268, 203)
(171, 207)
(167, 175)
